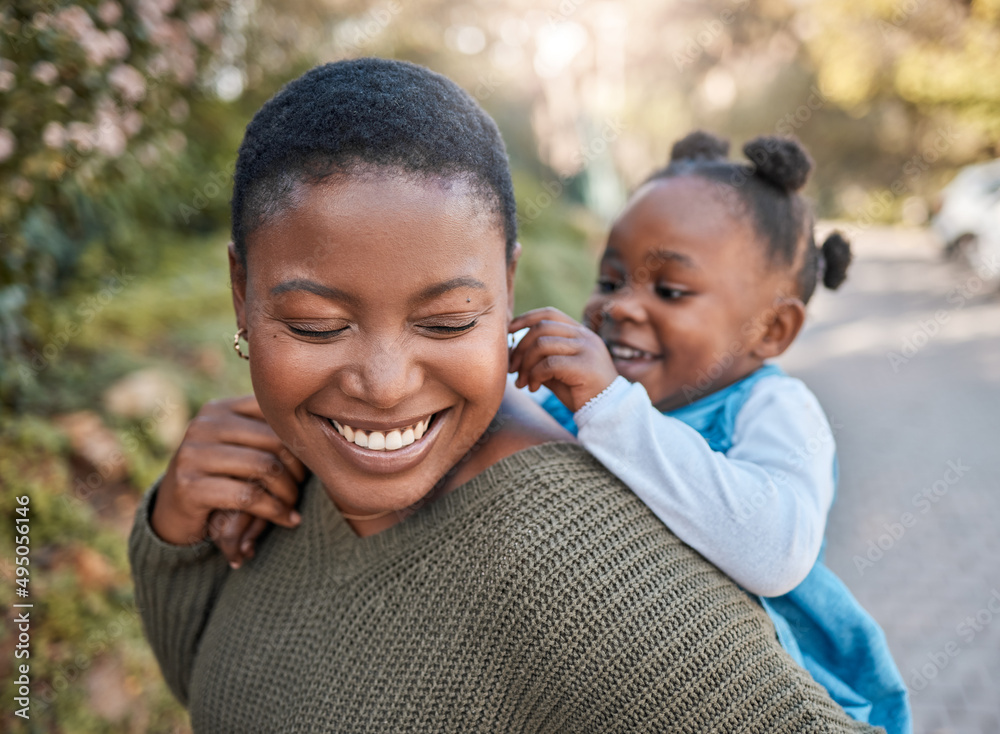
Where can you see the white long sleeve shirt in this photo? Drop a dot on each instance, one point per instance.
(758, 512)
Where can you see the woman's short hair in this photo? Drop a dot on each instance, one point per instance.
(367, 116)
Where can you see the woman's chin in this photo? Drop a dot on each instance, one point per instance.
(365, 481)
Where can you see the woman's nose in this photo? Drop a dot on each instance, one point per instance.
(384, 378)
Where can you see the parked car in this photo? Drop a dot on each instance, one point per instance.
(968, 220)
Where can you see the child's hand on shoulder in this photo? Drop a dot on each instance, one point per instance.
(561, 354)
(229, 480)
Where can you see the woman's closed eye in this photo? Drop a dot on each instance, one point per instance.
(448, 329)
(315, 333)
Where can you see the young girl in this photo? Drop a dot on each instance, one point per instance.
(705, 277)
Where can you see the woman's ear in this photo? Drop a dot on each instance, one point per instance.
(780, 331)
(511, 272)
(238, 282)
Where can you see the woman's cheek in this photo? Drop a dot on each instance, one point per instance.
(284, 373)
(476, 365)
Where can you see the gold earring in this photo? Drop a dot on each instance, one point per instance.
(236, 342)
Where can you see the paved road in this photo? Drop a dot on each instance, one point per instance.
(906, 360)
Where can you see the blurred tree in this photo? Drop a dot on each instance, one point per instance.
(118, 128)
(93, 95)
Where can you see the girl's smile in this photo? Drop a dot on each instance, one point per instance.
(681, 290)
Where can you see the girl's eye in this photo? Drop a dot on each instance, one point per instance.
(452, 329)
(315, 334)
(608, 285)
(669, 294)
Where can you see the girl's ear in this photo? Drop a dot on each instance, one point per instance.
(238, 281)
(511, 271)
(780, 332)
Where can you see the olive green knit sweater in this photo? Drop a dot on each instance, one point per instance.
(541, 596)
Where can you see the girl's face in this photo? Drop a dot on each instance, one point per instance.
(683, 293)
(377, 312)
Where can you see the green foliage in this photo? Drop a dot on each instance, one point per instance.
(93, 95)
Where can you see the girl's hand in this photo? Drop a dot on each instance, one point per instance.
(562, 354)
(235, 533)
(231, 461)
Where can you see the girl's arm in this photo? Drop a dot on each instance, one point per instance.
(757, 512)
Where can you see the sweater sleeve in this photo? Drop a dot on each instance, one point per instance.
(175, 590)
(757, 512)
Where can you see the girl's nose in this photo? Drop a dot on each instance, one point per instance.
(384, 378)
(624, 306)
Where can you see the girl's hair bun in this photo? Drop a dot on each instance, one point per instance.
(699, 146)
(836, 258)
(781, 161)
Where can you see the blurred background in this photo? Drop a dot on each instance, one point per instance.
(119, 124)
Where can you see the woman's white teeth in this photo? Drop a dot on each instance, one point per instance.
(384, 440)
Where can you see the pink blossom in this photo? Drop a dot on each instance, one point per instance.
(148, 155)
(63, 96)
(101, 47)
(8, 144)
(54, 135)
(118, 44)
(131, 123)
(128, 81)
(111, 141)
(45, 72)
(202, 26)
(81, 135)
(109, 12)
(75, 21)
(7, 80)
(23, 188)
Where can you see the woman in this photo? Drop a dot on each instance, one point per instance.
(453, 565)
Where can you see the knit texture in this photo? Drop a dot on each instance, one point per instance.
(541, 596)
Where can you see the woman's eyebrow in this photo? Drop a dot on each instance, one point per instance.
(310, 286)
(335, 294)
(439, 289)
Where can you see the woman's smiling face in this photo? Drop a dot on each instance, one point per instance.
(377, 311)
